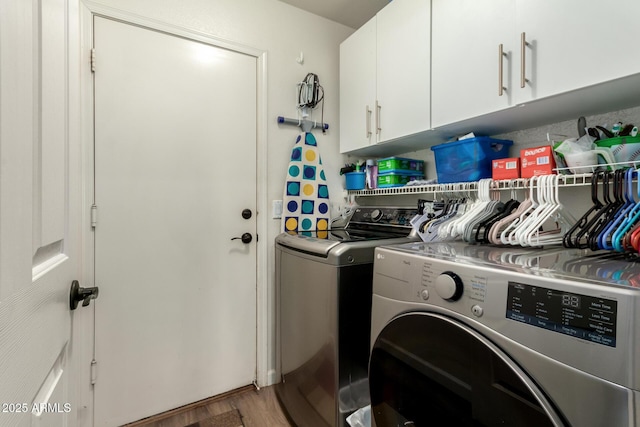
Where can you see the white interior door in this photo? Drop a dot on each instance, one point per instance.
(39, 216)
(175, 166)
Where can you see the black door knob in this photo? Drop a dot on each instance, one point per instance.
(246, 238)
(246, 213)
(78, 294)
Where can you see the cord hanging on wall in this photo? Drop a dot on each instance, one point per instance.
(309, 94)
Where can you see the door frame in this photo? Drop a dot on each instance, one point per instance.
(86, 329)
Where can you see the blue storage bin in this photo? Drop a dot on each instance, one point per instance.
(468, 159)
(354, 180)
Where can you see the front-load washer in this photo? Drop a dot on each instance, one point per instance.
(480, 336)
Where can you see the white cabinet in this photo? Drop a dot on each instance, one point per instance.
(358, 88)
(385, 76)
(465, 70)
(568, 45)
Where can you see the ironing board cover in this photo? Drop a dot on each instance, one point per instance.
(305, 203)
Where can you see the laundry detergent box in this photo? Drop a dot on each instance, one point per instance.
(400, 165)
(506, 168)
(536, 161)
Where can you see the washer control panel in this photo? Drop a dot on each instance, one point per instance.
(493, 296)
(383, 215)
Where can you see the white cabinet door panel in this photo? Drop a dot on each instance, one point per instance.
(465, 62)
(574, 43)
(358, 88)
(403, 68)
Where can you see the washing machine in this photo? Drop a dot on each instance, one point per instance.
(479, 336)
(324, 313)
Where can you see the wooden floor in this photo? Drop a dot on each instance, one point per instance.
(258, 408)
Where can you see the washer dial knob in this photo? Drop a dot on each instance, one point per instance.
(376, 215)
(449, 286)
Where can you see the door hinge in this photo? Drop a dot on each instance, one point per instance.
(93, 60)
(94, 373)
(94, 216)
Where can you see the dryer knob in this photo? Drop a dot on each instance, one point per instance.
(449, 286)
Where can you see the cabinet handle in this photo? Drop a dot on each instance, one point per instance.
(523, 45)
(367, 119)
(501, 55)
(378, 108)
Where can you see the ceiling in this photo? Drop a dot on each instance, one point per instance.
(352, 13)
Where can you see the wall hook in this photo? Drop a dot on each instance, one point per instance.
(300, 59)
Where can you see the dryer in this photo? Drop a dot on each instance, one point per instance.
(480, 336)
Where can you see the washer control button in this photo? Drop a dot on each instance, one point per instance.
(376, 215)
(477, 310)
(449, 286)
(424, 294)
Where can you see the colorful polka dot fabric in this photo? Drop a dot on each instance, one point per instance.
(306, 195)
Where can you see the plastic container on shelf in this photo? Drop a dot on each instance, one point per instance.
(354, 180)
(623, 148)
(372, 174)
(468, 159)
(400, 165)
(395, 179)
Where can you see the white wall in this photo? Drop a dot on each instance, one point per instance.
(283, 32)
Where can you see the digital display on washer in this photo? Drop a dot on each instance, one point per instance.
(589, 318)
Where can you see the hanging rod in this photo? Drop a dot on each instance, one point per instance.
(305, 124)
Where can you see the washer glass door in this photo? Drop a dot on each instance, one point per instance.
(429, 370)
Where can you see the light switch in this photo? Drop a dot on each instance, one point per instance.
(277, 209)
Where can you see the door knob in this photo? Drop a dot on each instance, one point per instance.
(81, 294)
(246, 238)
(246, 213)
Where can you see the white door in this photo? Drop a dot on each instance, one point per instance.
(39, 216)
(175, 166)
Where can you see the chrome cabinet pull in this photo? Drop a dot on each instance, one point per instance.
(378, 109)
(523, 45)
(501, 55)
(367, 120)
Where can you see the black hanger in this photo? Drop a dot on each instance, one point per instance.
(571, 238)
(609, 211)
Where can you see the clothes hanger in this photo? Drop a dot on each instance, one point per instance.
(507, 236)
(498, 227)
(456, 228)
(490, 210)
(605, 238)
(571, 238)
(609, 211)
(581, 239)
(628, 222)
(554, 213)
(532, 222)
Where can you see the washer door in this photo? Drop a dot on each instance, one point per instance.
(429, 370)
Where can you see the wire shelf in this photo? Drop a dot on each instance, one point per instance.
(576, 180)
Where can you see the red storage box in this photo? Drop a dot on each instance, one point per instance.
(506, 168)
(537, 161)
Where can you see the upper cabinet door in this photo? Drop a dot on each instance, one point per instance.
(403, 68)
(358, 88)
(467, 70)
(573, 44)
